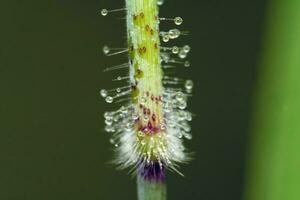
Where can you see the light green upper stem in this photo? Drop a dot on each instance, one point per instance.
(144, 44)
(146, 75)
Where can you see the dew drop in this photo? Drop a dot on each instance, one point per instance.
(179, 135)
(143, 142)
(166, 38)
(188, 136)
(189, 84)
(178, 20)
(112, 141)
(187, 64)
(160, 2)
(110, 129)
(182, 105)
(189, 116)
(172, 34)
(143, 100)
(182, 54)
(186, 127)
(146, 118)
(176, 33)
(186, 48)
(108, 122)
(118, 90)
(108, 115)
(141, 134)
(109, 99)
(128, 126)
(175, 50)
(180, 96)
(103, 93)
(106, 50)
(104, 12)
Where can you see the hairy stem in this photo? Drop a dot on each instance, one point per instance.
(146, 73)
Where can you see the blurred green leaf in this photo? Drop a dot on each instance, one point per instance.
(274, 170)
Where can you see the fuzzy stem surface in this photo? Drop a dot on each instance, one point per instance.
(146, 73)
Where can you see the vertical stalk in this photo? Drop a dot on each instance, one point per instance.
(145, 67)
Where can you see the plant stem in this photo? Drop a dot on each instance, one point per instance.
(149, 190)
(144, 56)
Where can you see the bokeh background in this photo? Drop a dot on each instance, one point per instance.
(52, 143)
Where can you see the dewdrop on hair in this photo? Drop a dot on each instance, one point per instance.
(149, 128)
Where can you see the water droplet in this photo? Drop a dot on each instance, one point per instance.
(112, 141)
(179, 135)
(166, 38)
(186, 127)
(178, 20)
(106, 50)
(116, 145)
(103, 93)
(128, 126)
(176, 32)
(187, 64)
(146, 118)
(180, 96)
(109, 129)
(189, 84)
(188, 136)
(186, 48)
(109, 99)
(172, 34)
(143, 100)
(104, 12)
(182, 105)
(118, 90)
(160, 2)
(182, 54)
(108, 115)
(175, 50)
(143, 142)
(108, 122)
(167, 107)
(189, 116)
(141, 134)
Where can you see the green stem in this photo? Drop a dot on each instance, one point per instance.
(144, 55)
(151, 190)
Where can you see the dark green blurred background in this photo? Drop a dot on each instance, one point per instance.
(52, 143)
